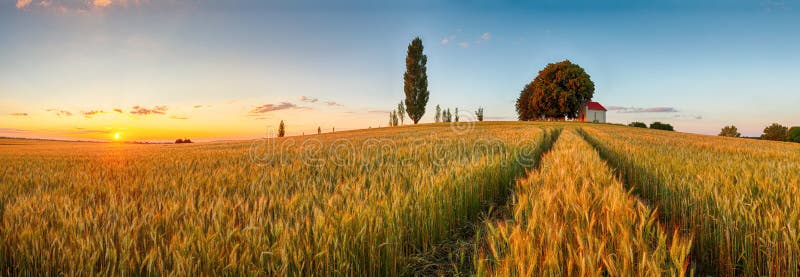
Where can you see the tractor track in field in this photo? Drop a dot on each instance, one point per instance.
(455, 256)
(670, 224)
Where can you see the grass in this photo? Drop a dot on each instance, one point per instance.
(571, 217)
(738, 197)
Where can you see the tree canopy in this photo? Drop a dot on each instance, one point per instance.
(661, 126)
(638, 124)
(794, 134)
(416, 81)
(775, 132)
(559, 90)
(730, 131)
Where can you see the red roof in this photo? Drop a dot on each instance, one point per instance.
(595, 106)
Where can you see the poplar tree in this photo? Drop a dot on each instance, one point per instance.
(416, 81)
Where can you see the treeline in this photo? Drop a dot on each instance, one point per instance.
(655, 125)
(775, 131)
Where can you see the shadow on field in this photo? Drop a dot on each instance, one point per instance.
(455, 257)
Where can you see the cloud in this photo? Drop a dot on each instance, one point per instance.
(137, 110)
(60, 113)
(463, 44)
(333, 103)
(178, 117)
(83, 6)
(101, 3)
(642, 110)
(19, 114)
(13, 131)
(118, 110)
(379, 111)
(772, 6)
(22, 3)
(266, 108)
(447, 40)
(89, 114)
(308, 99)
(486, 36)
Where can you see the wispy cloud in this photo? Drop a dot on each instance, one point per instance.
(179, 117)
(60, 113)
(79, 6)
(308, 99)
(118, 110)
(642, 110)
(23, 3)
(138, 110)
(772, 6)
(333, 103)
(266, 108)
(201, 106)
(447, 40)
(14, 131)
(19, 114)
(101, 3)
(89, 114)
(379, 111)
(463, 44)
(486, 36)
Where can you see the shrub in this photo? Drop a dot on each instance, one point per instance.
(661, 126)
(730, 131)
(638, 124)
(794, 134)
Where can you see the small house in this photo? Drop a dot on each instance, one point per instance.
(594, 112)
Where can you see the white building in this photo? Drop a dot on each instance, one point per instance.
(594, 112)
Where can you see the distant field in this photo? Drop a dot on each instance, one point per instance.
(490, 199)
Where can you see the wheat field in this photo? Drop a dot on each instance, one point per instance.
(539, 198)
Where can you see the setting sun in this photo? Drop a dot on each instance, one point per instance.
(116, 136)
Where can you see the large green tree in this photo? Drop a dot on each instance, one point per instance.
(560, 90)
(416, 81)
(775, 132)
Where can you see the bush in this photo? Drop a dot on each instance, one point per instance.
(730, 131)
(794, 134)
(178, 141)
(661, 126)
(638, 124)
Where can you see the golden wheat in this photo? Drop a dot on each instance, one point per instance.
(571, 217)
(737, 196)
(350, 203)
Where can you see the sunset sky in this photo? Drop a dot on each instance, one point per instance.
(207, 70)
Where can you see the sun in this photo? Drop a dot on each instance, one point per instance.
(116, 136)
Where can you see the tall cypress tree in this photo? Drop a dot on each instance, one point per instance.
(281, 130)
(416, 81)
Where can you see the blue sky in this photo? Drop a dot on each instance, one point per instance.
(698, 65)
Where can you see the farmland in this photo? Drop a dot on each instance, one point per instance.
(543, 198)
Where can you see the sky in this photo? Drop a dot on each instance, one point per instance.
(213, 70)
